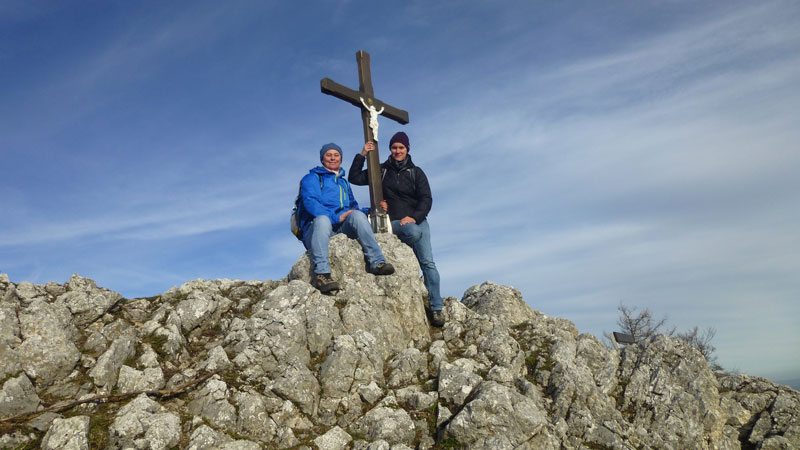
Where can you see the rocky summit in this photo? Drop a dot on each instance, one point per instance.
(229, 364)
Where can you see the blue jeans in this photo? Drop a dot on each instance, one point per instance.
(355, 226)
(418, 237)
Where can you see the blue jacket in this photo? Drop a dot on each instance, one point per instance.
(332, 199)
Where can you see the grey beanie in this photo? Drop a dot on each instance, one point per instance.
(330, 146)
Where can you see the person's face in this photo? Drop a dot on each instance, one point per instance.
(332, 160)
(399, 151)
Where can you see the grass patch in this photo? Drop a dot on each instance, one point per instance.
(158, 342)
(447, 443)
(99, 423)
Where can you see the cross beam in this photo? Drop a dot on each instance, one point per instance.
(365, 92)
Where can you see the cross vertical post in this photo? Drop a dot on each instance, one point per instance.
(365, 98)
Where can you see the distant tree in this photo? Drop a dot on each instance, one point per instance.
(643, 325)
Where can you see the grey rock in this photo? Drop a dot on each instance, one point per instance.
(253, 416)
(352, 362)
(388, 307)
(457, 380)
(291, 421)
(10, 338)
(173, 341)
(43, 421)
(497, 417)
(143, 423)
(18, 397)
(7, 288)
(380, 444)
(47, 352)
(240, 444)
(370, 393)
(68, 434)
(86, 301)
(99, 340)
(334, 439)
(401, 447)
(669, 381)
(271, 338)
(443, 414)
(197, 309)
(297, 383)
(384, 423)
(414, 399)
(217, 360)
(407, 367)
(105, 372)
(132, 380)
(9, 326)
(503, 304)
(205, 438)
(28, 293)
(148, 358)
(211, 402)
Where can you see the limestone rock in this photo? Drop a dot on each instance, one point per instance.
(144, 422)
(497, 417)
(388, 307)
(68, 434)
(503, 304)
(18, 397)
(335, 439)
(86, 301)
(253, 418)
(105, 372)
(385, 423)
(9, 326)
(132, 380)
(47, 352)
(211, 402)
(276, 364)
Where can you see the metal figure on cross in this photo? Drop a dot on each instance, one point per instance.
(373, 118)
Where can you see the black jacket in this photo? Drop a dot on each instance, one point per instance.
(407, 194)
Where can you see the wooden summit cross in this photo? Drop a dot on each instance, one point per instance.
(371, 107)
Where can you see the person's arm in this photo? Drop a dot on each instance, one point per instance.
(424, 197)
(358, 175)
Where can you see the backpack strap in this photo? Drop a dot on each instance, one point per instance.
(413, 171)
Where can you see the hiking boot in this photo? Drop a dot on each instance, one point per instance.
(382, 269)
(437, 319)
(325, 283)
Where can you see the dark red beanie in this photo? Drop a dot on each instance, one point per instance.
(401, 138)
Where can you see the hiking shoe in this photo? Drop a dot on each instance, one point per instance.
(382, 269)
(325, 283)
(437, 319)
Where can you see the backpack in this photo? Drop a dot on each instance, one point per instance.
(294, 220)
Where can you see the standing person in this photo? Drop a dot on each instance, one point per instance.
(407, 198)
(329, 208)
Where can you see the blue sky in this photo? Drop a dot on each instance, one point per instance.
(587, 153)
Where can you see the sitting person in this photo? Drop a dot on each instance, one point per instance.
(329, 208)
(407, 198)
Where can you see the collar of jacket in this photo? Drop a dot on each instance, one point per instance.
(399, 166)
